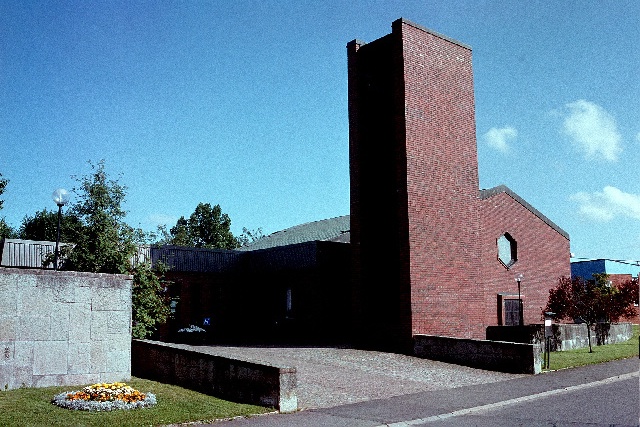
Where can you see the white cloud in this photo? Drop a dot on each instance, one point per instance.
(500, 138)
(608, 204)
(593, 130)
(162, 219)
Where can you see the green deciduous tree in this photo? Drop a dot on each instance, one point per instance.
(43, 225)
(592, 301)
(249, 236)
(180, 235)
(207, 227)
(3, 186)
(6, 231)
(106, 243)
(150, 300)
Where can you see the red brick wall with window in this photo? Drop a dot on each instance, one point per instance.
(542, 257)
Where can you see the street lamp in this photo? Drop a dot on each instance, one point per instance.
(520, 311)
(60, 197)
(548, 333)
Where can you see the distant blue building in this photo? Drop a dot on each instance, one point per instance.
(586, 269)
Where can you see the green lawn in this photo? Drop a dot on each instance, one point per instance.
(602, 353)
(33, 407)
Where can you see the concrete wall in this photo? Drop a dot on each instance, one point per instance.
(240, 381)
(572, 336)
(59, 328)
(565, 336)
(491, 355)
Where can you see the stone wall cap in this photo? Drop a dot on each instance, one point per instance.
(43, 272)
(209, 351)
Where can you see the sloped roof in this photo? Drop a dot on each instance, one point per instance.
(331, 230)
(490, 192)
(338, 229)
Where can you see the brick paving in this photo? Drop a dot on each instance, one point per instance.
(330, 377)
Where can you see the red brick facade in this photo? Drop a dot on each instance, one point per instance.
(543, 256)
(424, 239)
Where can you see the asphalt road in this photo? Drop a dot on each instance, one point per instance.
(597, 395)
(595, 405)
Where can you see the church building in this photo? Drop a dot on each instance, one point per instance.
(432, 254)
(424, 250)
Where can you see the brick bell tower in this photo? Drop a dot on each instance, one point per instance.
(414, 188)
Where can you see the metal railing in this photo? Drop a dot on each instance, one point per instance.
(36, 254)
(26, 253)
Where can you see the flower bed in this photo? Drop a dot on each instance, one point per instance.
(104, 397)
(193, 335)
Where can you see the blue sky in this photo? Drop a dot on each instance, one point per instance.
(244, 104)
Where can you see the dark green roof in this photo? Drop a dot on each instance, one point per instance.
(332, 230)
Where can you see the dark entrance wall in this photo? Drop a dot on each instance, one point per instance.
(291, 294)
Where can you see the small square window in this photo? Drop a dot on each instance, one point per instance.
(507, 250)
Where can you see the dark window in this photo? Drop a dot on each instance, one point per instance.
(289, 303)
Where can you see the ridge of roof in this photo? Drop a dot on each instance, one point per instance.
(494, 191)
(330, 229)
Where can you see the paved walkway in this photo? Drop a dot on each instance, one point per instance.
(329, 377)
(563, 397)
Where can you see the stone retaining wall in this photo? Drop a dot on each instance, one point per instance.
(499, 356)
(566, 336)
(240, 381)
(571, 336)
(63, 328)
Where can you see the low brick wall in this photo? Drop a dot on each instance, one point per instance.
(236, 380)
(63, 328)
(499, 356)
(566, 336)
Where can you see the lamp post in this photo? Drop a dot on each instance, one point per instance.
(60, 197)
(520, 311)
(548, 333)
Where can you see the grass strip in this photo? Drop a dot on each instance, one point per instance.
(33, 407)
(601, 353)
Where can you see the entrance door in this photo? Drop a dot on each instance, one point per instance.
(511, 312)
